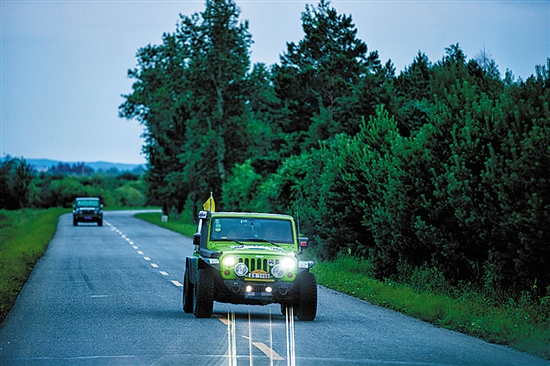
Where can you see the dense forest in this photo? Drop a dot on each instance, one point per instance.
(445, 165)
(22, 187)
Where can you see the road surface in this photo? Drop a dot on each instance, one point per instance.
(112, 295)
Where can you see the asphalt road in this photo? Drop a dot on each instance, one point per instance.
(111, 295)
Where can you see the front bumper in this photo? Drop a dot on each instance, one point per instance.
(87, 216)
(254, 292)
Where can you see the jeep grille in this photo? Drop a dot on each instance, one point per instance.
(257, 263)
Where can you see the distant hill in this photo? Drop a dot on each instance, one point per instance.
(45, 164)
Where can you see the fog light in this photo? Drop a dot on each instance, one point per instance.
(241, 269)
(278, 271)
(268, 289)
(248, 288)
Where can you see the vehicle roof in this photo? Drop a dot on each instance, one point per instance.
(87, 198)
(251, 214)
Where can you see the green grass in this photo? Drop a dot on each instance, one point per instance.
(24, 236)
(184, 227)
(130, 208)
(523, 324)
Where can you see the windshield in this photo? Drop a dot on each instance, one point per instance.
(87, 203)
(247, 229)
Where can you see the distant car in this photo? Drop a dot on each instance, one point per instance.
(87, 209)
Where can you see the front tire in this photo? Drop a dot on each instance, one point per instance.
(204, 294)
(307, 304)
(187, 293)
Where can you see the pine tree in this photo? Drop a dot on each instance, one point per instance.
(317, 75)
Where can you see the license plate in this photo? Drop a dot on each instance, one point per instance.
(87, 217)
(259, 275)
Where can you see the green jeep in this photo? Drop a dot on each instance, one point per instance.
(248, 258)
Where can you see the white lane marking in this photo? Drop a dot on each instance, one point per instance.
(268, 351)
(223, 319)
(154, 265)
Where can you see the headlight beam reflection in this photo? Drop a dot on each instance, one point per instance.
(290, 344)
(231, 323)
(231, 340)
(250, 338)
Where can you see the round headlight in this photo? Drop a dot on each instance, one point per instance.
(229, 261)
(241, 269)
(288, 263)
(277, 271)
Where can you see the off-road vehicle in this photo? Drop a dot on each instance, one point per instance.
(248, 258)
(87, 209)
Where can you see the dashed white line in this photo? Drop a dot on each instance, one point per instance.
(176, 283)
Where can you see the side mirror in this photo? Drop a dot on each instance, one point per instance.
(302, 242)
(101, 206)
(74, 206)
(197, 239)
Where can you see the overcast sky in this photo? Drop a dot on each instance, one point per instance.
(64, 63)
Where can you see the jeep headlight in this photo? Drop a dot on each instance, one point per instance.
(229, 261)
(288, 264)
(241, 269)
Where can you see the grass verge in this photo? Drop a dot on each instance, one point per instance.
(24, 236)
(179, 226)
(523, 324)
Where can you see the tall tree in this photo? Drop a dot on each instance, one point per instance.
(216, 94)
(317, 74)
(156, 102)
(191, 94)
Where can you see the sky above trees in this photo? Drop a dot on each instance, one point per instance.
(64, 64)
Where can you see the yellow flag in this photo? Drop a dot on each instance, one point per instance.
(209, 205)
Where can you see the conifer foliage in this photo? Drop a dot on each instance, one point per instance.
(445, 165)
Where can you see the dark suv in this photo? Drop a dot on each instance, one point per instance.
(87, 209)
